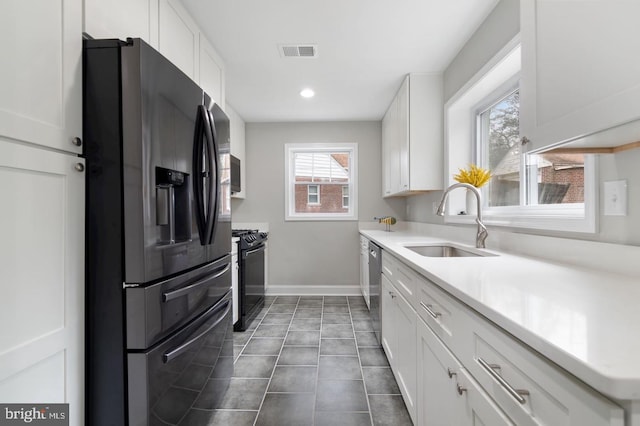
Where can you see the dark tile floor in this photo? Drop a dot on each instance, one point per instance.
(311, 360)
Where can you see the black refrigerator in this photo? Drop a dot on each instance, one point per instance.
(158, 240)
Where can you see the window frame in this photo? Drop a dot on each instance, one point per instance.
(498, 78)
(290, 149)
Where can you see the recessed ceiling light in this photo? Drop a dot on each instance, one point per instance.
(307, 93)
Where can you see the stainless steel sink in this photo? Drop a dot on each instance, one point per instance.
(444, 250)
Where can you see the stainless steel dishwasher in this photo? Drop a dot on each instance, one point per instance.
(375, 272)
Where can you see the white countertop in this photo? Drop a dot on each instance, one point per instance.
(586, 321)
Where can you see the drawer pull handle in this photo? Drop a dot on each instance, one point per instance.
(460, 389)
(451, 373)
(429, 309)
(515, 393)
(392, 294)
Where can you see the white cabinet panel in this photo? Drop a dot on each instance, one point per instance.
(41, 265)
(388, 335)
(211, 72)
(399, 341)
(405, 327)
(41, 382)
(41, 72)
(580, 69)
(179, 38)
(437, 371)
(121, 19)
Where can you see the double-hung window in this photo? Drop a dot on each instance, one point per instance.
(321, 182)
(552, 190)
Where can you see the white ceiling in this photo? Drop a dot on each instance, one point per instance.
(365, 48)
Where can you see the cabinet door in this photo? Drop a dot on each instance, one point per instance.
(580, 68)
(386, 154)
(402, 141)
(41, 72)
(211, 72)
(42, 276)
(121, 19)
(405, 369)
(178, 38)
(387, 308)
(437, 371)
(475, 407)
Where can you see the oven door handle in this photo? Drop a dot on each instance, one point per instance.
(248, 252)
(170, 295)
(172, 354)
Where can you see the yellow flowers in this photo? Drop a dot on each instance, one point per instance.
(476, 176)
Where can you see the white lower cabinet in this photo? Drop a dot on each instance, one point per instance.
(454, 367)
(437, 371)
(399, 341)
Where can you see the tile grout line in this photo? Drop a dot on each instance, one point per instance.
(360, 363)
(315, 391)
(277, 358)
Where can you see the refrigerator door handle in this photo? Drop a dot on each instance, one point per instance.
(174, 353)
(214, 189)
(170, 295)
(202, 153)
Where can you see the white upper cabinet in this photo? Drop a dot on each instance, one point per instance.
(179, 38)
(580, 72)
(122, 19)
(41, 72)
(412, 140)
(211, 72)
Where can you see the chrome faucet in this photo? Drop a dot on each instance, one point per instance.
(482, 230)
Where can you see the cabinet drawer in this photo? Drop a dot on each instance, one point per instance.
(441, 313)
(531, 390)
(402, 277)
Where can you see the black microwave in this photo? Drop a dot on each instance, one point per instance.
(235, 174)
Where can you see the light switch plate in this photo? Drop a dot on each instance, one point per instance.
(615, 198)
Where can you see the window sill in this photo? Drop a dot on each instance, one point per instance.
(550, 222)
(321, 218)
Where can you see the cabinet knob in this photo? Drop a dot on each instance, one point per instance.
(461, 389)
(451, 373)
(525, 140)
(79, 167)
(76, 141)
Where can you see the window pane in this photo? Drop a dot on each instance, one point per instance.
(500, 138)
(325, 198)
(321, 167)
(556, 178)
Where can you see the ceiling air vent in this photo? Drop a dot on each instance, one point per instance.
(298, 50)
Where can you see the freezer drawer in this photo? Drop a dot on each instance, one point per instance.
(192, 369)
(155, 311)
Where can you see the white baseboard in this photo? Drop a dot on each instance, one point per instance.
(313, 290)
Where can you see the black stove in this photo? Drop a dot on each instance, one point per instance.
(251, 274)
(249, 237)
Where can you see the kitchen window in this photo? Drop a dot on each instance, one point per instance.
(320, 182)
(554, 191)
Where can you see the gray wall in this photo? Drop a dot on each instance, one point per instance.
(310, 253)
(500, 27)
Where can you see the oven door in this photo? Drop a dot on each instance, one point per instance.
(192, 369)
(252, 279)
